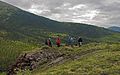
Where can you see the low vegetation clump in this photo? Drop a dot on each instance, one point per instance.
(10, 50)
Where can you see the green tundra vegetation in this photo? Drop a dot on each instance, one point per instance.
(95, 59)
(10, 50)
(22, 32)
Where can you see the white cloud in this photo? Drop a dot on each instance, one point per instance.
(55, 16)
(90, 14)
(66, 4)
(80, 6)
(79, 20)
(63, 6)
(38, 9)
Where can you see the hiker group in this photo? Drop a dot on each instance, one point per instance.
(70, 41)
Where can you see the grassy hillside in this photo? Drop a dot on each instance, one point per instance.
(95, 59)
(111, 38)
(10, 50)
(90, 59)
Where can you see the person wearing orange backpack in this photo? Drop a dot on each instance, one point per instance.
(58, 42)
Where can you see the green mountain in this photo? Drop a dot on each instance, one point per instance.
(114, 28)
(16, 24)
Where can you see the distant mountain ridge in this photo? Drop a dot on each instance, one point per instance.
(114, 28)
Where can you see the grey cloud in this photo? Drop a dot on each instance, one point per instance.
(25, 4)
(108, 10)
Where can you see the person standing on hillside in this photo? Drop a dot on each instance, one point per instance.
(68, 40)
(58, 41)
(49, 42)
(80, 41)
(75, 41)
(71, 41)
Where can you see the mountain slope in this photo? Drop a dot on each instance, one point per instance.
(27, 27)
(114, 28)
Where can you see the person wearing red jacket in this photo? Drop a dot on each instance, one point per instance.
(58, 41)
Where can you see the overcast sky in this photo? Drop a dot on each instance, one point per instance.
(103, 13)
